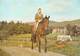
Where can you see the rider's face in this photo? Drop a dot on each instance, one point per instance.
(39, 11)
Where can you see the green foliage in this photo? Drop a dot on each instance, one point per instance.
(3, 34)
(11, 28)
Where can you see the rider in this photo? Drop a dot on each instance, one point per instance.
(38, 17)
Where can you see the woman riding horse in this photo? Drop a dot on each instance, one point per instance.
(38, 17)
(40, 33)
(40, 30)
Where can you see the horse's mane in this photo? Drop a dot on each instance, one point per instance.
(43, 20)
(40, 23)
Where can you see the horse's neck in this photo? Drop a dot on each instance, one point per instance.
(34, 28)
(39, 25)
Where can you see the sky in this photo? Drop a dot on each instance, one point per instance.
(24, 10)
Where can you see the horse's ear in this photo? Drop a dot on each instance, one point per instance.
(48, 17)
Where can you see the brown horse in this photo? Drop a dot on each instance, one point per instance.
(40, 32)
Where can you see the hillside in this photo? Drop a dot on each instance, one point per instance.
(55, 24)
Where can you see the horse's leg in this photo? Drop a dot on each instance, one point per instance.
(32, 43)
(39, 44)
(45, 44)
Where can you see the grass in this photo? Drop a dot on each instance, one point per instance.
(3, 53)
(18, 40)
(21, 36)
(70, 48)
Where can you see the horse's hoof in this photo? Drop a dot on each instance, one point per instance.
(45, 51)
(39, 51)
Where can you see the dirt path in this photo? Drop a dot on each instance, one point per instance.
(17, 51)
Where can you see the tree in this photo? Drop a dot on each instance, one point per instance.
(69, 28)
(74, 30)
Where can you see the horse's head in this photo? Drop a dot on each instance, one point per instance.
(46, 21)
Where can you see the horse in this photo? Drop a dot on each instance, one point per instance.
(40, 32)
